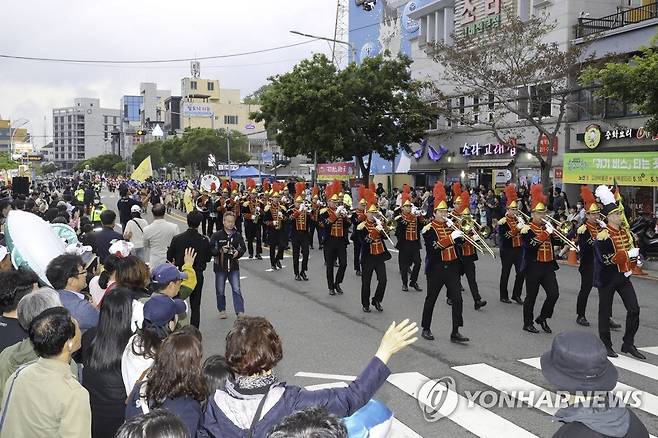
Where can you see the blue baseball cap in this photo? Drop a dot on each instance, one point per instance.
(166, 273)
(160, 309)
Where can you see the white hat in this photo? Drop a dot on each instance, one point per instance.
(135, 209)
(121, 248)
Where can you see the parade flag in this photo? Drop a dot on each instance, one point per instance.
(143, 171)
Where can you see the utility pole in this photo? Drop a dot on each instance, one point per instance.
(228, 152)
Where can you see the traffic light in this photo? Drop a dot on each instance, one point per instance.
(141, 132)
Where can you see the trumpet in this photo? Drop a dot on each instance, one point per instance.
(559, 234)
(470, 225)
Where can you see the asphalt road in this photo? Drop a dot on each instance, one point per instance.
(331, 337)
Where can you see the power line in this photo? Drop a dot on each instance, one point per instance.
(152, 61)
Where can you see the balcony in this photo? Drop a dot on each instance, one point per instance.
(591, 26)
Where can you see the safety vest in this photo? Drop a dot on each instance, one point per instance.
(96, 212)
(80, 195)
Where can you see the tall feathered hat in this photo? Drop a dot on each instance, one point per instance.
(511, 197)
(456, 193)
(362, 199)
(266, 186)
(234, 187)
(225, 186)
(371, 199)
(315, 191)
(276, 189)
(607, 198)
(299, 191)
(335, 191)
(537, 198)
(405, 198)
(439, 192)
(251, 185)
(591, 205)
(462, 206)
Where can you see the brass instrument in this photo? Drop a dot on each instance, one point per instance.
(384, 224)
(561, 230)
(466, 226)
(201, 202)
(208, 184)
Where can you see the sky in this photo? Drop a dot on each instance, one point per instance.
(145, 30)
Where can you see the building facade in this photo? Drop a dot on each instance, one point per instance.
(10, 135)
(83, 131)
(152, 110)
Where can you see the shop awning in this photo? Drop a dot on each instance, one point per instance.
(500, 162)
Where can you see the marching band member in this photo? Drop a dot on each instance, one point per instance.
(265, 201)
(233, 204)
(274, 218)
(408, 226)
(251, 214)
(372, 234)
(300, 218)
(616, 256)
(335, 220)
(358, 216)
(466, 251)
(539, 263)
(509, 230)
(586, 235)
(315, 212)
(442, 266)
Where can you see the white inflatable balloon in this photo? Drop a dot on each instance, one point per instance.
(32, 242)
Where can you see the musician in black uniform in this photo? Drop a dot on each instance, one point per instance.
(539, 263)
(509, 232)
(300, 219)
(358, 216)
(442, 267)
(616, 256)
(336, 222)
(374, 254)
(274, 218)
(251, 214)
(315, 212)
(407, 230)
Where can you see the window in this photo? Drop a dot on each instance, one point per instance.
(69, 118)
(211, 86)
(524, 8)
(462, 110)
(192, 85)
(230, 120)
(522, 101)
(540, 100)
(491, 102)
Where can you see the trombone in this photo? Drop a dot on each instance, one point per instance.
(384, 223)
(464, 227)
(559, 231)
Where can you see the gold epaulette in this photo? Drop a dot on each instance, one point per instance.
(361, 226)
(322, 210)
(267, 207)
(581, 229)
(525, 229)
(502, 221)
(603, 234)
(245, 204)
(426, 227)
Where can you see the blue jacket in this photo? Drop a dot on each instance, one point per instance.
(229, 413)
(82, 310)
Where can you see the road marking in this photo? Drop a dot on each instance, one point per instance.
(242, 278)
(650, 350)
(401, 430)
(475, 419)
(636, 366)
(649, 401)
(325, 376)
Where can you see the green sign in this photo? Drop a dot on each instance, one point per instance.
(627, 168)
(481, 26)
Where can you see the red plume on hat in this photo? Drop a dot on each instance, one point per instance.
(439, 193)
(406, 194)
(276, 187)
(371, 198)
(372, 187)
(510, 195)
(336, 187)
(537, 198)
(234, 186)
(464, 203)
(251, 184)
(266, 185)
(299, 188)
(589, 199)
(360, 192)
(213, 187)
(224, 185)
(315, 190)
(456, 190)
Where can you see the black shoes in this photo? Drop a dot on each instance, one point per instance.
(259, 257)
(506, 300)
(633, 351)
(377, 305)
(458, 338)
(611, 352)
(518, 300)
(298, 278)
(405, 288)
(544, 325)
(530, 328)
(416, 287)
(278, 264)
(303, 275)
(251, 256)
(366, 309)
(358, 273)
(338, 289)
(449, 302)
(427, 334)
(614, 325)
(275, 267)
(332, 292)
(479, 304)
(581, 320)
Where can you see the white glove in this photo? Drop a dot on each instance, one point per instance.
(520, 225)
(258, 209)
(302, 207)
(379, 227)
(549, 228)
(602, 224)
(476, 237)
(450, 223)
(521, 222)
(275, 223)
(456, 234)
(628, 273)
(378, 222)
(633, 252)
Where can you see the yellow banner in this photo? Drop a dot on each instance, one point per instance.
(143, 171)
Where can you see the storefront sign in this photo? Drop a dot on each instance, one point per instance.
(490, 17)
(627, 168)
(557, 173)
(593, 135)
(477, 149)
(543, 145)
(196, 110)
(341, 171)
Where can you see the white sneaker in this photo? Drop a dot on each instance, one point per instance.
(222, 314)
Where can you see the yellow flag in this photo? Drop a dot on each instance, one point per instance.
(143, 171)
(187, 199)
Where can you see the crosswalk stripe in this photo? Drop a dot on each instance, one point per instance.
(649, 401)
(650, 350)
(636, 366)
(401, 430)
(506, 383)
(476, 419)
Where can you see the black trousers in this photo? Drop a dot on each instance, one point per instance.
(212, 221)
(586, 280)
(409, 256)
(195, 300)
(468, 269)
(378, 265)
(623, 286)
(335, 248)
(509, 258)
(300, 243)
(539, 274)
(277, 243)
(357, 254)
(444, 274)
(312, 227)
(206, 223)
(252, 232)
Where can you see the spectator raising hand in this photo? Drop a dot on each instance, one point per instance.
(396, 338)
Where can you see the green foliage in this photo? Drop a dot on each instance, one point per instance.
(49, 168)
(255, 97)
(102, 163)
(634, 82)
(143, 150)
(372, 107)
(7, 163)
(120, 168)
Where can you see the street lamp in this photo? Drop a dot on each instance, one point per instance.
(333, 40)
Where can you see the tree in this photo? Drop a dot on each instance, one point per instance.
(254, 98)
(372, 107)
(7, 163)
(199, 143)
(528, 80)
(49, 168)
(152, 148)
(102, 163)
(119, 168)
(633, 82)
